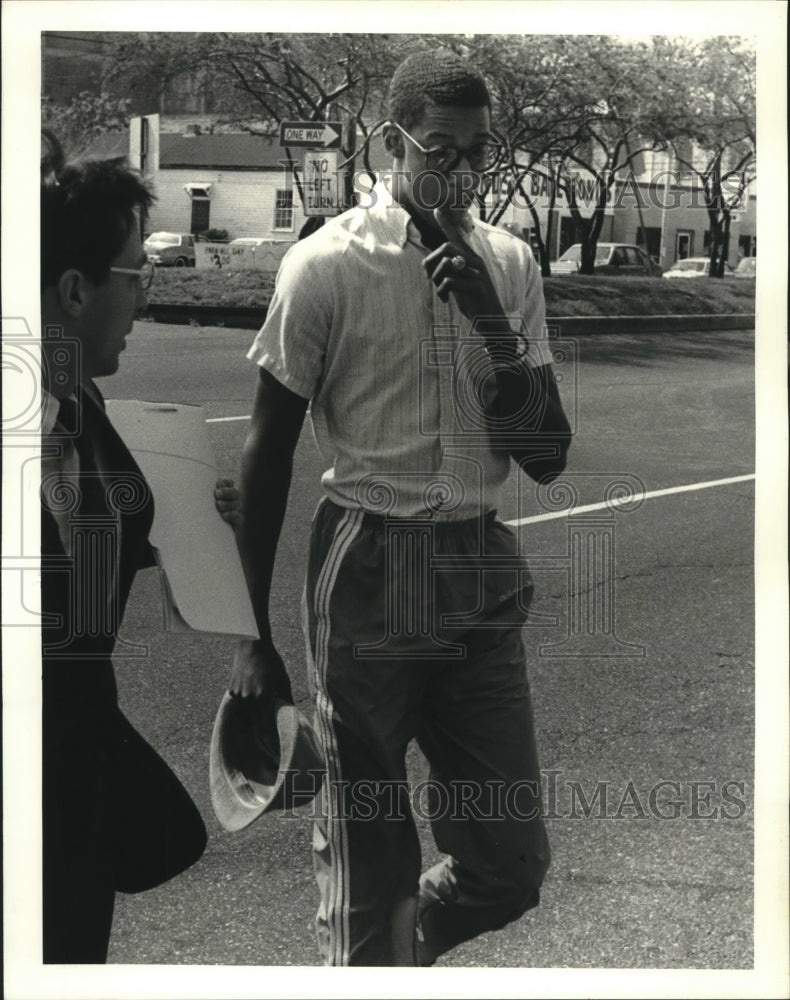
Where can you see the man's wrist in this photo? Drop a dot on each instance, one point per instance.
(499, 337)
(494, 325)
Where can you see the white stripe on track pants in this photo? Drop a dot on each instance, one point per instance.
(414, 630)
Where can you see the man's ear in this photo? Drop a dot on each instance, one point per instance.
(73, 292)
(393, 141)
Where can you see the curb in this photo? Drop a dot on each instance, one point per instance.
(252, 317)
(235, 317)
(564, 326)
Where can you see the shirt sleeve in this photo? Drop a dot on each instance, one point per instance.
(291, 345)
(533, 315)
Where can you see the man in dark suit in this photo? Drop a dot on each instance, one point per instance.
(115, 817)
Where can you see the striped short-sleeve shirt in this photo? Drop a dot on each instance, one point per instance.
(393, 374)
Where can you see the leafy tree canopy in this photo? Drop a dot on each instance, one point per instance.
(84, 118)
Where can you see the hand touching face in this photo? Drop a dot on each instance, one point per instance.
(455, 268)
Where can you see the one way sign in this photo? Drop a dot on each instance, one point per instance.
(311, 135)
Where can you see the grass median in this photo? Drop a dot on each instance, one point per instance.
(603, 296)
(566, 296)
(229, 288)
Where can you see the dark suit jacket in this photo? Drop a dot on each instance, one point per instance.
(113, 809)
(79, 588)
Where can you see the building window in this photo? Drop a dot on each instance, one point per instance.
(567, 234)
(650, 239)
(284, 210)
(684, 244)
(199, 193)
(201, 209)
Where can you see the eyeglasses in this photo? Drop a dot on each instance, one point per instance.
(145, 274)
(481, 157)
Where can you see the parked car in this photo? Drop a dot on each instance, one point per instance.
(622, 259)
(171, 249)
(747, 268)
(249, 241)
(693, 267)
(257, 241)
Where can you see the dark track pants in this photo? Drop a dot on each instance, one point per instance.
(414, 630)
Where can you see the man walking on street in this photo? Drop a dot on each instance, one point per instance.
(115, 816)
(417, 336)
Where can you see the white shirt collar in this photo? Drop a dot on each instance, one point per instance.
(393, 216)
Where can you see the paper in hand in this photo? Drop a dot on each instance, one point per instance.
(196, 549)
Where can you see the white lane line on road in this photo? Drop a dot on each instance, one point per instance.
(224, 420)
(617, 501)
(614, 502)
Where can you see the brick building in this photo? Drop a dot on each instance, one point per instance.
(237, 181)
(240, 183)
(660, 208)
(231, 181)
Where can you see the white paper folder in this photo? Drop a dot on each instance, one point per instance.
(204, 586)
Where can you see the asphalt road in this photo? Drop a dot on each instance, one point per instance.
(659, 720)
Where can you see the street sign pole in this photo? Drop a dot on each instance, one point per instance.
(311, 135)
(320, 189)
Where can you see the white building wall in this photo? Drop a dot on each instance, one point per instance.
(243, 202)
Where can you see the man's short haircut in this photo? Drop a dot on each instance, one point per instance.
(441, 77)
(87, 212)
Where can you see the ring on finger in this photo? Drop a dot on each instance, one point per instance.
(458, 262)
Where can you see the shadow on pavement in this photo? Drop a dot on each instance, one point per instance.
(645, 349)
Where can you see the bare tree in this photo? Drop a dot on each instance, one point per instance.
(714, 134)
(578, 112)
(252, 82)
